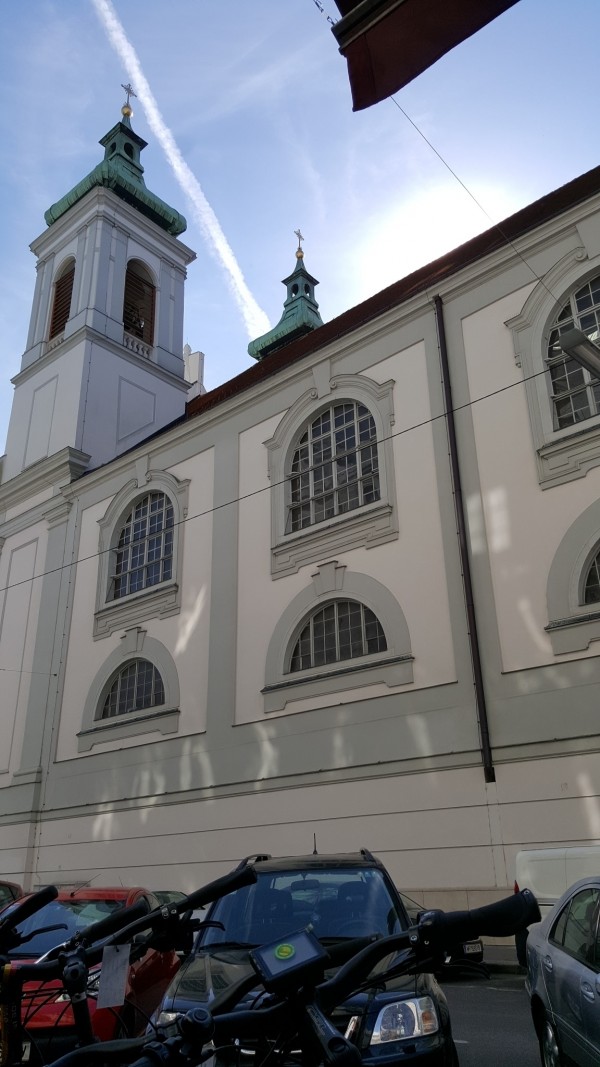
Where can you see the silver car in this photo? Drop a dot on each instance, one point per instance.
(563, 978)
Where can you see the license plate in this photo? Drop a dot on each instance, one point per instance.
(472, 946)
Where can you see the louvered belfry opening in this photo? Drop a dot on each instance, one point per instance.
(138, 303)
(63, 291)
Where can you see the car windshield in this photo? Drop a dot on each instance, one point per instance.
(69, 916)
(337, 902)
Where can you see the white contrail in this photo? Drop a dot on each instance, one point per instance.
(255, 319)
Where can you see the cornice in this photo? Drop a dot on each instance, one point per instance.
(86, 334)
(53, 472)
(103, 203)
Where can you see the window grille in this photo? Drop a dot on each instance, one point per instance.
(143, 556)
(335, 466)
(342, 630)
(137, 686)
(575, 393)
(591, 594)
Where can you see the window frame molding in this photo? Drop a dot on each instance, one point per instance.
(155, 601)
(68, 265)
(164, 718)
(568, 453)
(363, 527)
(573, 626)
(130, 339)
(333, 581)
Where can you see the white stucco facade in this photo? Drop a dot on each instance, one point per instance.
(241, 752)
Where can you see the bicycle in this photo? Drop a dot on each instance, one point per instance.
(71, 961)
(293, 1002)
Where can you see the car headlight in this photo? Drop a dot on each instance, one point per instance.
(404, 1019)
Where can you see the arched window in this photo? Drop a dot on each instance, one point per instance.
(143, 554)
(591, 589)
(138, 302)
(341, 630)
(61, 305)
(331, 467)
(138, 685)
(575, 393)
(334, 467)
(135, 693)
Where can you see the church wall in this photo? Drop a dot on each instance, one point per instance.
(184, 634)
(407, 566)
(22, 558)
(45, 410)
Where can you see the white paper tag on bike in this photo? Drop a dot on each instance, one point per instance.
(113, 976)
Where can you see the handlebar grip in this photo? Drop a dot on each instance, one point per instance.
(105, 927)
(24, 908)
(219, 888)
(505, 917)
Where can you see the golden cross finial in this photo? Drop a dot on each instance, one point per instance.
(129, 90)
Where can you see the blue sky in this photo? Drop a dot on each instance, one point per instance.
(256, 97)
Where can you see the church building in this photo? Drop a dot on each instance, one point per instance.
(351, 596)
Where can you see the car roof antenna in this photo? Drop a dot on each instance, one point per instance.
(314, 852)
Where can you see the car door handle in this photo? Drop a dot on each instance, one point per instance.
(548, 963)
(587, 991)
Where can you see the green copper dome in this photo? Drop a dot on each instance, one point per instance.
(122, 172)
(300, 312)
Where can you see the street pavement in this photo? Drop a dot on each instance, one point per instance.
(491, 1020)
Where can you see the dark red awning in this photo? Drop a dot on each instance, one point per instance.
(387, 43)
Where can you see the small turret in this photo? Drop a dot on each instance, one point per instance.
(300, 310)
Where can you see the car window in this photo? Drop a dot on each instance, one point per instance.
(576, 928)
(65, 917)
(341, 902)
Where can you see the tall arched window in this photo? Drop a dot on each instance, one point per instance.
(138, 302)
(143, 554)
(61, 305)
(334, 467)
(341, 630)
(138, 685)
(575, 393)
(591, 589)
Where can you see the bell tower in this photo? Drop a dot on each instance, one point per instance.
(103, 367)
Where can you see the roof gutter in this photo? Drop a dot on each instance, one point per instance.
(480, 701)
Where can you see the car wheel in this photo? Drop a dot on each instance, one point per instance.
(549, 1048)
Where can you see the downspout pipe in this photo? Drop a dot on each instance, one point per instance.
(480, 701)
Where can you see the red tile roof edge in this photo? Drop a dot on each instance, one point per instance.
(432, 274)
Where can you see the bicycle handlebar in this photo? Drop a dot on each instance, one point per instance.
(228, 883)
(436, 932)
(501, 919)
(102, 929)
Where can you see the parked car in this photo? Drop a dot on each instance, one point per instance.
(9, 891)
(464, 955)
(548, 872)
(563, 965)
(168, 896)
(343, 897)
(47, 1017)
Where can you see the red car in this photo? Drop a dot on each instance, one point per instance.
(9, 891)
(46, 1014)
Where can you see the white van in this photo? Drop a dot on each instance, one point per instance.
(548, 873)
